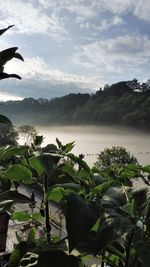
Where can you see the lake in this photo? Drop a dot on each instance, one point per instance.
(90, 140)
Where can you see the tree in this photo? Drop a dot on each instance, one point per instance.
(115, 155)
(8, 133)
(28, 133)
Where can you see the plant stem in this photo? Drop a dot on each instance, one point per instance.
(103, 256)
(47, 223)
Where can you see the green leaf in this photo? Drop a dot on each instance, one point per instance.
(79, 161)
(146, 168)
(80, 218)
(48, 161)
(68, 147)
(96, 226)
(56, 194)
(9, 152)
(36, 165)
(18, 173)
(129, 207)
(69, 169)
(17, 254)
(82, 174)
(37, 217)
(71, 186)
(21, 216)
(101, 188)
(15, 196)
(31, 235)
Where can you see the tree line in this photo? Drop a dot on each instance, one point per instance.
(123, 103)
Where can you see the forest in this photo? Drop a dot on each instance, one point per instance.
(125, 103)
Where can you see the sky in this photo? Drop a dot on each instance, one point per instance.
(74, 46)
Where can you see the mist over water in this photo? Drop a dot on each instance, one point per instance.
(90, 140)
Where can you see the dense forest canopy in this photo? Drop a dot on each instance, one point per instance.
(124, 103)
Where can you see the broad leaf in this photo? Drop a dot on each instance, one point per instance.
(68, 168)
(146, 168)
(80, 218)
(10, 152)
(56, 194)
(102, 187)
(36, 165)
(48, 161)
(18, 173)
(17, 55)
(17, 254)
(5, 29)
(79, 161)
(15, 196)
(7, 55)
(31, 235)
(21, 216)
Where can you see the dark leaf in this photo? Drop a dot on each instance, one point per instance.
(59, 143)
(7, 55)
(9, 152)
(17, 55)
(48, 161)
(4, 75)
(6, 205)
(29, 259)
(80, 217)
(17, 254)
(38, 140)
(5, 120)
(57, 258)
(79, 161)
(5, 29)
(15, 196)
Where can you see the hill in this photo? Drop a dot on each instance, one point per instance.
(124, 103)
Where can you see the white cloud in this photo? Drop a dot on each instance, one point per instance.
(114, 54)
(37, 69)
(142, 10)
(7, 96)
(108, 23)
(30, 19)
(116, 6)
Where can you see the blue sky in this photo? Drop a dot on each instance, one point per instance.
(72, 45)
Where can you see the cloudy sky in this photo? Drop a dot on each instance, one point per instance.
(70, 45)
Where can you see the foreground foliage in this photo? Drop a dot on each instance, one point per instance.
(106, 216)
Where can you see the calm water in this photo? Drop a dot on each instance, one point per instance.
(90, 140)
